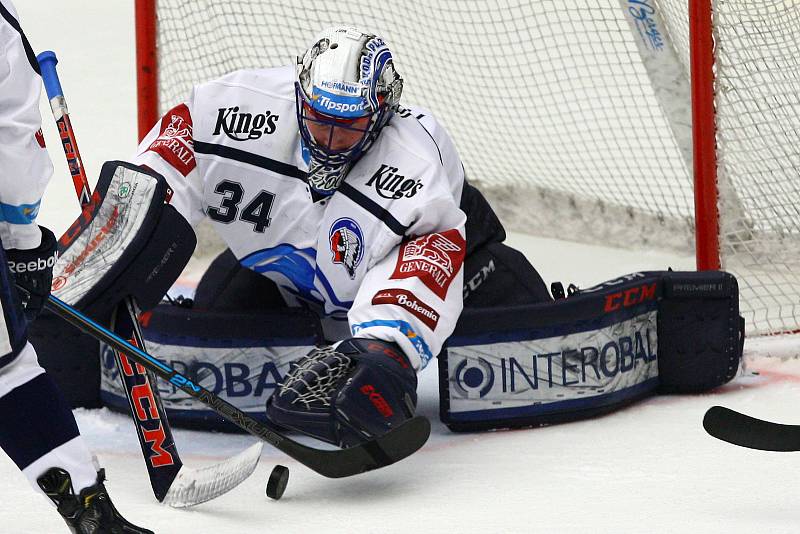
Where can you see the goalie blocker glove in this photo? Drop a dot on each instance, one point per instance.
(33, 272)
(89, 512)
(358, 391)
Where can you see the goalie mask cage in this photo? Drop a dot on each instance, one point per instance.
(575, 118)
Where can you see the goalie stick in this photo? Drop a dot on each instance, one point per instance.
(745, 431)
(393, 446)
(172, 482)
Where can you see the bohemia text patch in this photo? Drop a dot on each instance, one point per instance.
(410, 302)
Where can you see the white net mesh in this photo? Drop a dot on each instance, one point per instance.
(758, 116)
(558, 113)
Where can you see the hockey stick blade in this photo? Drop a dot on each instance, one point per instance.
(195, 486)
(389, 448)
(392, 447)
(745, 431)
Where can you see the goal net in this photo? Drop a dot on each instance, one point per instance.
(573, 117)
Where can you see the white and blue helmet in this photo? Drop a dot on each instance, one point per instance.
(347, 90)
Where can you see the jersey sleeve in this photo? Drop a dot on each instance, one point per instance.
(413, 296)
(25, 166)
(168, 149)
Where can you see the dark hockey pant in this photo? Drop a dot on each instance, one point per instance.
(35, 418)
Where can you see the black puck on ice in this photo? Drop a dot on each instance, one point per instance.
(276, 484)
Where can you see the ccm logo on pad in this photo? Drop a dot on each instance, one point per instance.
(629, 297)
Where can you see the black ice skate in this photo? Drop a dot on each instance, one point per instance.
(89, 512)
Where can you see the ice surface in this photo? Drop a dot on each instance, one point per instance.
(649, 468)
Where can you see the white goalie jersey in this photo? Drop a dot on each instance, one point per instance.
(381, 258)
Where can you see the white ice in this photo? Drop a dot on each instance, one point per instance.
(647, 468)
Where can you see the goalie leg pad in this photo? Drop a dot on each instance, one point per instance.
(700, 332)
(590, 353)
(127, 242)
(240, 357)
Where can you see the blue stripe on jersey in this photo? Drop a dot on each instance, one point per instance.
(36, 419)
(19, 214)
(420, 346)
(373, 207)
(248, 157)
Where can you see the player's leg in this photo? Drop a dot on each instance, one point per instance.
(494, 273)
(38, 430)
(226, 285)
(498, 275)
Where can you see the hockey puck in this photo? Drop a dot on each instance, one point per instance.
(276, 484)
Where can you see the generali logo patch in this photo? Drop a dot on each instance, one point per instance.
(433, 258)
(174, 142)
(409, 302)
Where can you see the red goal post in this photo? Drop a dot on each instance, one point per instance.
(622, 122)
(146, 66)
(704, 132)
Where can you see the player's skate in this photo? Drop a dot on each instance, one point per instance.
(348, 395)
(89, 512)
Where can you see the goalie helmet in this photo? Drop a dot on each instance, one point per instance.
(346, 90)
